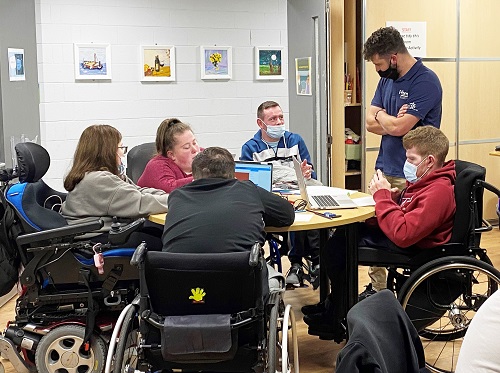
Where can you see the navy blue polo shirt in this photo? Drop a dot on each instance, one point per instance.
(421, 90)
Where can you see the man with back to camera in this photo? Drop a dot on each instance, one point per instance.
(418, 218)
(408, 95)
(218, 213)
(272, 143)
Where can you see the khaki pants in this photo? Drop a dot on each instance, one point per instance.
(378, 275)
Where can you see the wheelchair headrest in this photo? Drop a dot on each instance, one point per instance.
(33, 161)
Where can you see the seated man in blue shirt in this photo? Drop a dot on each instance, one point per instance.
(273, 144)
(218, 213)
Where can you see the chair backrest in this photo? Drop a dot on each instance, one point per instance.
(380, 335)
(35, 202)
(137, 159)
(469, 210)
(203, 284)
(33, 161)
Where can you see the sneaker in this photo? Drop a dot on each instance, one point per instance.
(369, 290)
(295, 276)
(324, 326)
(313, 308)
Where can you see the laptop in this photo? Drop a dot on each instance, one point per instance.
(319, 200)
(261, 174)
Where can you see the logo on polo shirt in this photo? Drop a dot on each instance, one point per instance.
(403, 95)
(412, 106)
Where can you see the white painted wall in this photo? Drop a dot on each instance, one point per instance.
(222, 113)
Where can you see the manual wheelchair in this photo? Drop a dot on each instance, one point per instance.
(442, 288)
(67, 306)
(204, 312)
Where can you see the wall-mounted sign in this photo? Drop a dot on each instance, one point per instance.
(16, 64)
(414, 35)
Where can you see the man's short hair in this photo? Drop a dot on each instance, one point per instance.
(213, 162)
(385, 41)
(265, 105)
(428, 140)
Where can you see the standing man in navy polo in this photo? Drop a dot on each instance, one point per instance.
(408, 95)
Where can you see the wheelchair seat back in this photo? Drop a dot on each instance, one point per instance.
(36, 204)
(196, 284)
(469, 202)
(137, 159)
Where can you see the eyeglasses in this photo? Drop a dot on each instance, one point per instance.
(124, 148)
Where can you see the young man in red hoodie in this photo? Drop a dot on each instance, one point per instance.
(419, 217)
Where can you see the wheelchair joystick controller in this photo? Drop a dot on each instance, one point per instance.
(115, 225)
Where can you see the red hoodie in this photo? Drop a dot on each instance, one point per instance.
(424, 215)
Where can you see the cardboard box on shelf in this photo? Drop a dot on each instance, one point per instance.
(353, 151)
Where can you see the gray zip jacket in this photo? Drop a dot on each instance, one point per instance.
(103, 194)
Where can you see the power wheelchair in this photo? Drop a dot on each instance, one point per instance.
(67, 306)
(204, 312)
(442, 288)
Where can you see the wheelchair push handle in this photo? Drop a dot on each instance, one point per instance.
(255, 253)
(138, 256)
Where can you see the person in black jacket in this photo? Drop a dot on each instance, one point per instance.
(218, 213)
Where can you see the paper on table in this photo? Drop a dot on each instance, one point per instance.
(364, 201)
(304, 217)
(321, 189)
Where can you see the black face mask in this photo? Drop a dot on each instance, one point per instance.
(390, 73)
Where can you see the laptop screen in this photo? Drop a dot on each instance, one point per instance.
(261, 174)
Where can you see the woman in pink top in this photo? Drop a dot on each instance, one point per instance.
(171, 167)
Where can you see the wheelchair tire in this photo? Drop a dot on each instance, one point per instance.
(272, 331)
(441, 298)
(126, 349)
(59, 350)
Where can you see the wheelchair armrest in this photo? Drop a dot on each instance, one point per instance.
(138, 255)
(62, 232)
(121, 235)
(255, 255)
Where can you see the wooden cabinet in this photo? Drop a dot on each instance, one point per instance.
(345, 58)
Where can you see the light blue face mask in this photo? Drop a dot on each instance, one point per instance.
(410, 171)
(275, 132)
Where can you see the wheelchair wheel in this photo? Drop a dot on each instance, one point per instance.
(441, 298)
(272, 331)
(60, 351)
(281, 327)
(126, 350)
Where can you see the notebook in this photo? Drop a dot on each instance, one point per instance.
(320, 201)
(261, 174)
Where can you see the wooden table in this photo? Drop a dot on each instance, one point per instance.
(348, 220)
(495, 152)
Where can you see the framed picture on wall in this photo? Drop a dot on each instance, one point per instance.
(16, 64)
(303, 76)
(92, 61)
(158, 63)
(216, 63)
(268, 63)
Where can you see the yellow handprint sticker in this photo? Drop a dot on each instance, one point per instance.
(198, 295)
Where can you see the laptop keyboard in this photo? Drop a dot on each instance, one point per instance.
(324, 201)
